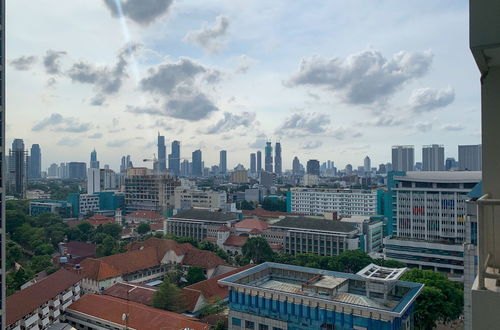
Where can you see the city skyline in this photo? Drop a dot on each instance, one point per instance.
(290, 104)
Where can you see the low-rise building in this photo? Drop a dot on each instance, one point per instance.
(106, 312)
(317, 236)
(41, 206)
(277, 296)
(189, 197)
(371, 232)
(141, 216)
(317, 201)
(41, 304)
(199, 224)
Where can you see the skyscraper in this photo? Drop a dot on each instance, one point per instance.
(268, 162)
(259, 161)
(162, 153)
(35, 162)
(313, 167)
(277, 159)
(367, 164)
(77, 170)
(223, 161)
(403, 158)
(94, 163)
(253, 163)
(17, 168)
(296, 166)
(174, 158)
(469, 157)
(433, 158)
(197, 163)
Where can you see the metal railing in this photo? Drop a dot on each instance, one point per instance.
(488, 248)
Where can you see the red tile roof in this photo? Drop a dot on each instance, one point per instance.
(141, 317)
(255, 231)
(252, 223)
(237, 241)
(209, 289)
(119, 264)
(99, 219)
(203, 259)
(260, 212)
(138, 293)
(79, 249)
(163, 245)
(144, 214)
(26, 301)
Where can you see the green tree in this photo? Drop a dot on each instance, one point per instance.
(257, 249)
(215, 307)
(108, 247)
(274, 205)
(86, 231)
(244, 205)
(220, 325)
(112, 229)
(16, 279)
(44, 249)
(352, 261)
(143, 228)
(169, 297)
(195, 275)
(39, 263)
(15, 219)
(14, 253)
(440, 300)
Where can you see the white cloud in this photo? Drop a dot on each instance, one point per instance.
(208, 37)
(428, 99)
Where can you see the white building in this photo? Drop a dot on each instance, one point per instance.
(93, 180)
(345, 202)
(469, 157)
(403, 158)
(41, 304)
(88, 203)
(186, 198)
(372, 231)
(310, 180)
(433, 158)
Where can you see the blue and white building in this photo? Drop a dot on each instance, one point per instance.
(277, 297)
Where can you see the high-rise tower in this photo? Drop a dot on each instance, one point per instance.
(223, 161)
(94, 163)
(268, 161)
(259, 161)
(35, 162)
(162, 153)
(197, 163)
(253, 163)
(403, 158)
(433, 158)
(277, 159)
(174, 158)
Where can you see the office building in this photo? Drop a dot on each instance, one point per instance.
(174, 158)
(126, 163)
(188, 197)
(470, 157)
(403, 158)
(253, 163)
(313, 167)
(197, 169)
(93, 180)
(162, 153)
(94, 163)
(296, 166)
(267, 179)
(277, 159)
(223, 161)
(278, 296)
(77, 170)
(239, 176)
(367, 165)
(450, 164)
(370, 231)
(62, 208)
(268, 160)
(348, 169)
(35, 162)
(259, 161)
(428, 219)
(433, 158)
(17, 168)
(318, 201)
(145, 190)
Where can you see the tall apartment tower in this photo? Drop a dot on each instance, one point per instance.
(433, 158)
(197, 163)
(403, 158)
(17, 167)
(367, 164)
(268, 161)
(162, 153)
(2, 165)
(174, 159)
(259, 161)
(277, 159)
(469, 157)
(223, 161)
(94, 163)
(35, 162)
(253, 163)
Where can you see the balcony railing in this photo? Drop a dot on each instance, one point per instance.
(489, 245)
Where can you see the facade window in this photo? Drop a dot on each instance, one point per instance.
(263, 327)
(236, 321)
(249, 325)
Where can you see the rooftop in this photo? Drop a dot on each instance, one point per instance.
(315, 224)
(141, 317)
(138, 293)
(441, 176)
(26, 301)
(198, 214)
(252, 223)
(144, 214)
(326, 286)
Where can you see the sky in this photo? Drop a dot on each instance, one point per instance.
(330, 80)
